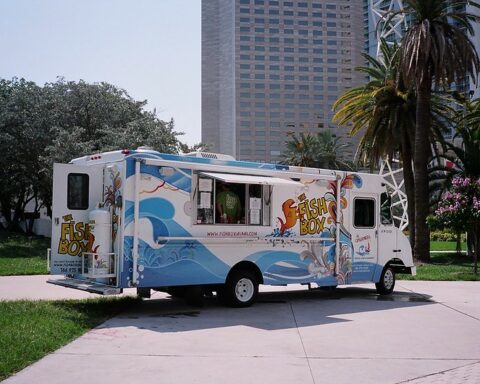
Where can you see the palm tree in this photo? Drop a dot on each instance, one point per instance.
(330, 152)
(464, 158)
(434, 52)
(385, 112)
(323, 150)
(300, 150)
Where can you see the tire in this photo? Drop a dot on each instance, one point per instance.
(387, 281)
(241, 289)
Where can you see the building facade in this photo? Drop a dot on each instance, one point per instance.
(270, 68)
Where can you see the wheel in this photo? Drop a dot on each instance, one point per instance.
(241, 289)
(387, 281)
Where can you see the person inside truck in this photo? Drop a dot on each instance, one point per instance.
(228, 205)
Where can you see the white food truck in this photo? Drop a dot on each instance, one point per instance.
(196, 223)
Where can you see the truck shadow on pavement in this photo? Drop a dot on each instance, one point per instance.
(273, 310)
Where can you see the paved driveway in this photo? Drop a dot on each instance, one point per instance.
(427, 332)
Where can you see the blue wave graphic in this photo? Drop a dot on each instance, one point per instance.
(183, 272)
(181, 180)
(198, 263)
(160, 213)
(177, 263)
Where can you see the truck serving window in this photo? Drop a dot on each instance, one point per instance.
(77, 191)
(223, 203)
(364, 216)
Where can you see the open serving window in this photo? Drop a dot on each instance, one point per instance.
(224, 198)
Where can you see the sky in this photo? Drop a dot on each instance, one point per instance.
(150, 48)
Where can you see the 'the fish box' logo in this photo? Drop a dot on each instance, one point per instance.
(74, 237)
(310, 212)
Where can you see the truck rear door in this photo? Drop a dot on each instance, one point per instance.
(76, 191)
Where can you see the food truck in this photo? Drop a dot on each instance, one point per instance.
(203, 222)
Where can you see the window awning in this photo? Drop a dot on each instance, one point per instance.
(248, 179)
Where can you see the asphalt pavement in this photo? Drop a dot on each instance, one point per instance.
(426, 332)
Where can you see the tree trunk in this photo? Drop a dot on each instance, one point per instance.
(458, 236)
(6, 209)
(470, 245)
(421, 155)
(409, 186)
(31, 221)
(18, 213)
(476, 241)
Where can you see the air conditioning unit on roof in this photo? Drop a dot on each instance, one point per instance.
(209, 155)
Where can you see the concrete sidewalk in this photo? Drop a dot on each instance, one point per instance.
(36, 288)
(427, 332)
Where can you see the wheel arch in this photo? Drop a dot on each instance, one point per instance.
(396, 264)
(399, 266)
(249, 266)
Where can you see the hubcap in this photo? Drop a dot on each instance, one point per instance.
(244, 290)
(388, 279)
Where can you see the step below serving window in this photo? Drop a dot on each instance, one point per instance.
(221, 202)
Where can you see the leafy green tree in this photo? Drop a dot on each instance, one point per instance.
(61, 121)
(434, 52)
(100, 117)
(24, 133)
(459, 209)
(462, 156)
(199, 147)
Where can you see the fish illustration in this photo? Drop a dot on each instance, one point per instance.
(90, 242)
(291, 216)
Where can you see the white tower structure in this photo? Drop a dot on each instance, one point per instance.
(378, 29)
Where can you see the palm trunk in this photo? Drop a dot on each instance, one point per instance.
(421, 155)
(409, 185)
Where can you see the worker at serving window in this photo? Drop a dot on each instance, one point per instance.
(228, 205)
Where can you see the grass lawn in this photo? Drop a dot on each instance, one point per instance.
(446, 246)
(20, 255)
(32, 329)
(445, 267)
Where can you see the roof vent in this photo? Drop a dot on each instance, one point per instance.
(209, 155)
(145, 148)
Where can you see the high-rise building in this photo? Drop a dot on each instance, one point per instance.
(274, 67)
